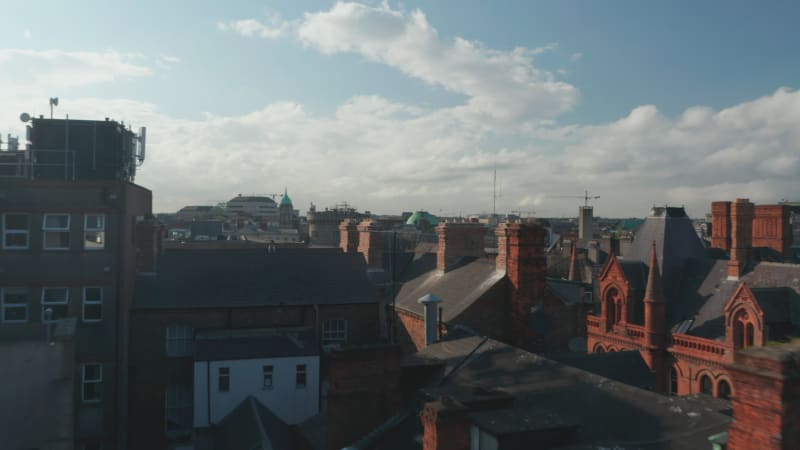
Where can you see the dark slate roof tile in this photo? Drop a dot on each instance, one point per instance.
(246, 278)
(248, 344)
(252, 426)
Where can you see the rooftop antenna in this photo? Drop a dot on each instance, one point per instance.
(53, 102)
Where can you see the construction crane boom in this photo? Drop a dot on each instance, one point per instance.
(586, 197)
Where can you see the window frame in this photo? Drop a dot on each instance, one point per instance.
(65, 303)
(5, 306)
(46, 230)
(333, 335)
(91, 303)
(300, 373)
(268, 380)
(101, 230)
(183, 343)
(26, 232)
(223, 373)
(96, 381)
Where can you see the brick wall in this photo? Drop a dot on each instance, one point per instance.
(771, 228)
(766, 404)
(410, 331)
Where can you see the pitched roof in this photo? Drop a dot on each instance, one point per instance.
(458, 288)
(249, 344)
(252, 277)
(620, 416)
(252, 426)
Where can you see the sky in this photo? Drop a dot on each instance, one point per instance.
(403, 106)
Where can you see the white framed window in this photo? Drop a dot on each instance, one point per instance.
(180, 340)
(178, 408)
(300, 376)
(91, 382)
(334, 331)
(56, 231)
(13, 305)
(94, 231)
(57, 300)
(268, 370)
(224, 379)
(92, 304)
(16, 231)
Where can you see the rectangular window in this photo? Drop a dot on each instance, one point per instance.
(56, 231)
(180, 341)
(94, 231)
(91, 382)
(15, 231)
(56, 300)
(300, 376)
(224, 379)
(267, 377)
(13, 305)
(178, 404)
(92, 304)
(334, 331)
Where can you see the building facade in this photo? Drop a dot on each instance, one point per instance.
(69, 252)
(687, 309)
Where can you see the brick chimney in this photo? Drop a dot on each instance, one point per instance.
(147, 238)
(348, 236)
(721, 225)
(573, 264)
(446, 426)
(766, 399)
(522, 245)
(369, 242)
(457, 240)
(741, 236)
(655, 326)
(772, 228)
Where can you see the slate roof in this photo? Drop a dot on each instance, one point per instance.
(570, 292)
(775, 285)
(249, 344)
(190, 279)
(458, 288)
(252, 426)
(626, 367)
(610, 414)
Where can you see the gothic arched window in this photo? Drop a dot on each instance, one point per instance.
(706, 385)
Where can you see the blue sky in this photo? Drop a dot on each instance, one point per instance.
(402, 106)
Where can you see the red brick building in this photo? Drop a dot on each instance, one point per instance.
(687, 308)
(507, 296)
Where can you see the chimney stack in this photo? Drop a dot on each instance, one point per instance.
(741, 236)
(431, 304)
(573, 264)
(721, 225)
(766, 398)
(458, 240)
(521, 250)
(369, 242)
(772, 228)
(446, 426)
(348, 236)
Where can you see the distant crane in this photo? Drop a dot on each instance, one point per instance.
(521, 214)
(586, 197)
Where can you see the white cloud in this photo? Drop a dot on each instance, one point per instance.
(27, 34)
(500, 85)
(575, 57)
(273, 28)
(53, 69)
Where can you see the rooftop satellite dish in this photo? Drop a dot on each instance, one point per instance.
(54, 101)
(25, 117)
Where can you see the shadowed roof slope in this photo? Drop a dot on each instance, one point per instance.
(253, 277)
(252, 426)
(611, 414)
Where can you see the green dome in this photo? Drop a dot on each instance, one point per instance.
(286, 200)
(418, 216)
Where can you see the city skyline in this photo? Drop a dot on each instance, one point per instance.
(411, 106)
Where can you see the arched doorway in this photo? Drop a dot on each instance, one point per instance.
(706, 385)
(724, 390)
(673, 381)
